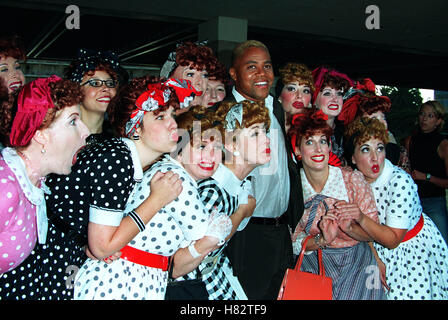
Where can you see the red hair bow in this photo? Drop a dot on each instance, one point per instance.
(366, 85)
(350, 109)
(319, 115)
(333, 160)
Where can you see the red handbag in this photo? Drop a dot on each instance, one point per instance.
(299, 285)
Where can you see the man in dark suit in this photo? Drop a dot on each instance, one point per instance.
(262, 251)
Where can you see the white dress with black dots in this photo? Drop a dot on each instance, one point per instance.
(418, 268)
(175, 225)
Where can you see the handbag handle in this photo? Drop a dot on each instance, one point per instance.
(319, 256)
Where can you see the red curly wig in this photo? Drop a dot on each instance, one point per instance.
(220, 74)
(308, 124)
(12, 47)
(200, 57)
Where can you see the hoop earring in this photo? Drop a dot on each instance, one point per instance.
(136, 137)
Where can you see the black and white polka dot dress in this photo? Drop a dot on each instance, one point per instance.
(418, 268)
(175, 225)
(96, 181)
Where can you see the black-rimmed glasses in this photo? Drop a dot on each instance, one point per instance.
(110, 83)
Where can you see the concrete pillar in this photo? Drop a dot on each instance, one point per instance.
(223, 34)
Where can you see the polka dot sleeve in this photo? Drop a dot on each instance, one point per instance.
(402, 211)
(111, 182)
(363, 195)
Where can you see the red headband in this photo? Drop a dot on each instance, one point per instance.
(33, 102)
(319, 75)
(158, 95)
(356, 99)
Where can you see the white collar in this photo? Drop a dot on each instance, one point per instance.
(385, 176)
(268, 101)
(227, 179)
(234, 186)
(34, 194)
(334, 186)
(138, 170)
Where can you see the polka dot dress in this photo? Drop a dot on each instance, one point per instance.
(418, 268)
(18, 230)
(179, 222)
(50, 270)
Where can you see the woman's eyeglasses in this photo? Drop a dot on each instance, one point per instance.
(110, 83)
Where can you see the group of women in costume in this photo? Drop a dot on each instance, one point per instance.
(113, 187)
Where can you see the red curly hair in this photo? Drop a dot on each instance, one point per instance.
(306, 125)
(121, 108)
(370, 105)
(220, 74)
(200, 57)
(12, 47)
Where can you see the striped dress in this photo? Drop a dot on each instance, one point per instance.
(350, 264)
(224, 192)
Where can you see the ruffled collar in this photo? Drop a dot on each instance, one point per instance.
(334, 187)
(138, 170)
(34, 194)
(385, 176)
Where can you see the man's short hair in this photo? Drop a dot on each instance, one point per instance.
(240, 48)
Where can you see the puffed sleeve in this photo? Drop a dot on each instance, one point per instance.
(111, 177)
(403, 208)
(362, 194)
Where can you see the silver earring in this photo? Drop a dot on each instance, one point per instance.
(236, 153)
(136, 137)
(42, 151)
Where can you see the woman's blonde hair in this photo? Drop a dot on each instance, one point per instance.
(439, 110)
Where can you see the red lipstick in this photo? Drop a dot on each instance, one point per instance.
(206, 167)
(333, 106)
(318, 158)
(298, 105)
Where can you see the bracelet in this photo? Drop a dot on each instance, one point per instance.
(317, 237)
(138, 221)
(193, 250)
